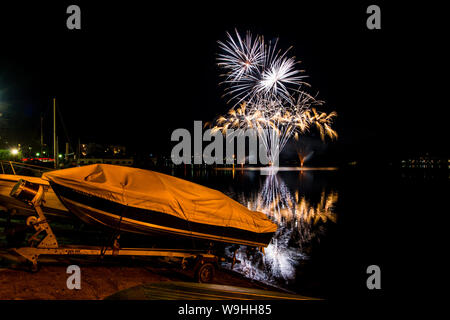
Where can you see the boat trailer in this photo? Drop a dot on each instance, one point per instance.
(202, 262)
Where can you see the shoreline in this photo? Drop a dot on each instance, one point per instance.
(99, 282)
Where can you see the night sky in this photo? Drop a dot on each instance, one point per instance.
(133, 74)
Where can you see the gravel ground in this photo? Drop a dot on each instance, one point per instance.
(97, 281)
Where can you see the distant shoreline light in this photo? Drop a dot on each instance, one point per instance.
(281, 169)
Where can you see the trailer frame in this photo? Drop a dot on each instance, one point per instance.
(202, 262)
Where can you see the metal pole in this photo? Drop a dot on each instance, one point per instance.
(55, 156)
(57, 152)
(42, 135)
(12, 168)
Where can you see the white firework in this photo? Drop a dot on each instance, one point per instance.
(279, 78)
(268, 93)
(241, 57)
(256, 69)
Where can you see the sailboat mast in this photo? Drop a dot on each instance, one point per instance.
(55, 156)
(42, 135)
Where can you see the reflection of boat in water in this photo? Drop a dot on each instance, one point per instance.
(142, 201)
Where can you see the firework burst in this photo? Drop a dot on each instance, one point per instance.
(270, 94)
(255, 69)
(275, 124)
(241, 58)
(279, 78)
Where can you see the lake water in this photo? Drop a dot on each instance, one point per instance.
(302, 202)
(333, 224)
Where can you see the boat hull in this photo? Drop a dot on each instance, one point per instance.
(52, 204)
(96, 210)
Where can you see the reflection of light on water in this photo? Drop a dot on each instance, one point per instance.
(281, 257)
(307, 216)
(277, 263)
(300, 221)
(273, 169)
(287, 210)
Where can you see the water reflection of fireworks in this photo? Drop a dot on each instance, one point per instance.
(293, 210)
(300, 223)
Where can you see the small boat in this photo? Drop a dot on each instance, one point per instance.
(51, 206)
(152, 203)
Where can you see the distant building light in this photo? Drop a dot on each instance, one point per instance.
(59, 155)
(14, 151)
(37, 154)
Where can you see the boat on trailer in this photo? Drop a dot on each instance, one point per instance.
(11, 173)
(152, 203)
(143, 202)
(52, 205)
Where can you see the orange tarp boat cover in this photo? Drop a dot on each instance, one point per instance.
(163, 193)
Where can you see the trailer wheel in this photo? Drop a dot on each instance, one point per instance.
(205, 273)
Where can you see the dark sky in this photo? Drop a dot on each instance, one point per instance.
(133, 74)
